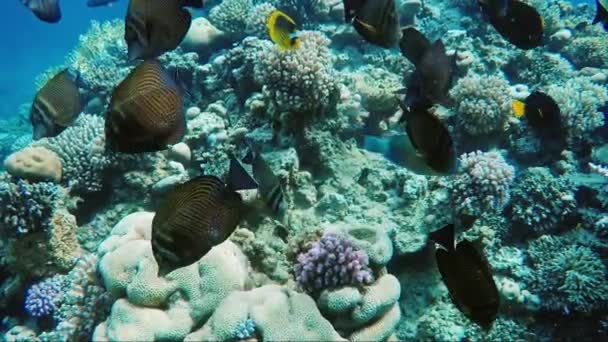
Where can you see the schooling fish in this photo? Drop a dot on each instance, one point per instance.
(376, 21)
(516, 21)
(145, 113)
(430, 82)
(602, 15)
(46, 10)
(192, 219)
(468, 277)
(56, 105)
(544, 116)
(283, 30)
(99, 3)
(155, 27)
(425, 149)
(267, 183)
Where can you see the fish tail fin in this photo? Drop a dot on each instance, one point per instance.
(238, 177)
(519, 108)
(193, 3)
(601, 13)
(444, 237)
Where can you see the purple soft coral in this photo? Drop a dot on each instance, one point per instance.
(330, 262)
(42, 299)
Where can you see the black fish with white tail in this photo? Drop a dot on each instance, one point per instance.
(601, 15)
(155, 27)
(193, 218)
(377, 21)
(518, 22)
(145, 113)
(56, 105)
(467, 275)
(45, 10)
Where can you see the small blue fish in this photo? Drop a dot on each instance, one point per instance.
(99, 3)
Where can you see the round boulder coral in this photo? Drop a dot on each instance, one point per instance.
(35, 164)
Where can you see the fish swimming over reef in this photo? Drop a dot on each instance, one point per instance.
(467, 275)
(283, 30)
(193, 218)
(432, 79)
(145, 113)
(426, 148)
(99, 3)
(377, 21)
(265, 181)
(601, 15)
(45, 10)
(518, 22)
(155, 27)
(56, 105)
(544, 116)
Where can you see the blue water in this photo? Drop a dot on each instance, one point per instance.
(30, 46)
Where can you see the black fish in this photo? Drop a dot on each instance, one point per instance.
(56, 105)
(468, 277)
(375, 20)
(99, 3)
(432, 140)
(516, 21)
(431, 81)
(193, 218)
(267, 183)
(155, 27)
(601, 16)
(145, 113)
(46, 10)
(544, 116)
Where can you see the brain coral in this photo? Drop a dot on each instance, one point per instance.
(579, 99)
(35, 163)
(482, 103)
(483, 184)
(540, 200)
(300, 80)
(153, 308)
(81, 148)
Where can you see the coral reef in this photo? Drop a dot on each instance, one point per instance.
(482, 103)
(26, 207)
(484, 183)
(43, 298)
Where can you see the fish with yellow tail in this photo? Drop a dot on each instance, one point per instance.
(283, 30)
(543, 115)
(467, 275)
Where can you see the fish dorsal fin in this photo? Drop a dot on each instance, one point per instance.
(413, 44)
(238, 177)
(444, 237)
(601, 13)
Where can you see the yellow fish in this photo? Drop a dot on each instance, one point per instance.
(282, 30)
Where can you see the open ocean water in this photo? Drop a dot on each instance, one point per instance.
(304, 170)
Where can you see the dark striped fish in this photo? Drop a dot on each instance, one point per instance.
(192, 219)
(155, 27)
(375, 20)
(46, 10)
(468, 277)
(145, 113)
(269, 186)
(55, 106)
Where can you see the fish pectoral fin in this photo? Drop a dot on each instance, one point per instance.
(370, 28)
